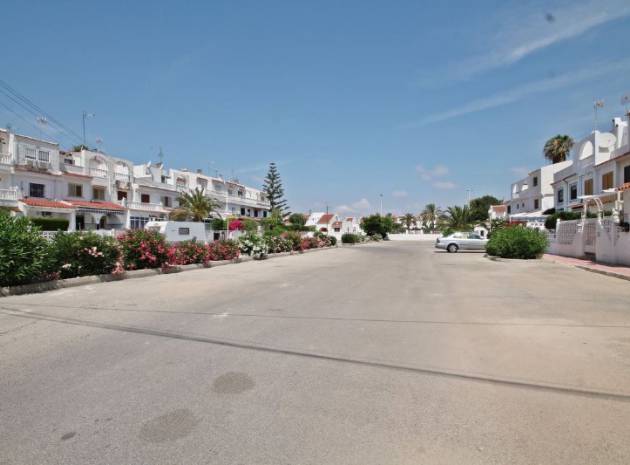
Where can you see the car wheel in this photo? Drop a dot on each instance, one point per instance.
(452, 248)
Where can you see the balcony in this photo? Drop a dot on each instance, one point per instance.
(9, 197)
(147, 207)
(120, 176)
(72, 169)
(98, 173)
(6, 158)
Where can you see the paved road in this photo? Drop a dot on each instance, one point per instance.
(381, 354)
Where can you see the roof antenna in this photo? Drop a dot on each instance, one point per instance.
(161, 155)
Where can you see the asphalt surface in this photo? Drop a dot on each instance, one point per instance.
(383, 354)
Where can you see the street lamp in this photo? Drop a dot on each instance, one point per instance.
(381, 196)
(597, 104)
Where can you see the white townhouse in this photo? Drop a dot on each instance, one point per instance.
(234, 198)
(95, 191)
(599, 168)
(531, 196)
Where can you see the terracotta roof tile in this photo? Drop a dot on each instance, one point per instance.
(47, 203)
(325, 219)
(96, 204)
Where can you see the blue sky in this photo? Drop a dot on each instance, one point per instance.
(352, 99)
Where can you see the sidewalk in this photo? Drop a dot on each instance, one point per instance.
(622, 272)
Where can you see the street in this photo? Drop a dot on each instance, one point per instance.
(388, 353)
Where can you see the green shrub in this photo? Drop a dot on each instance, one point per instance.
(51, 224)
(83, 254)
(218, 224)
(294, 238)
(24, 253)
(377, 224)
(333, 240)
(349, 238)
(517, 242)
(550, 221)
(143, 249)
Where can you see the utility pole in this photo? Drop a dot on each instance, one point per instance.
(381, 211)
(597, 104)
(469, 191)
(86, 115)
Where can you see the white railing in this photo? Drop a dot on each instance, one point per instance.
(6, 159)
(151, 207)
(98, 172)
(76, 169)
(8, 194)
(121, 176)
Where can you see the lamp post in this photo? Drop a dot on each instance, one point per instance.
(597, 104)
(381, 210)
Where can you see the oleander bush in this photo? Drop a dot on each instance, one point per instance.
(24, 253)
(294, 238)
(143, 249)
(188, 252)
(253, 245)
(223, 250)
(517, 242)
(75, 254)
(278, 244)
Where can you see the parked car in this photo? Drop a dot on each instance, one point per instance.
(461, 241)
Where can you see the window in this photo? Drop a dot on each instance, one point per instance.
(35, 190)
(536, 204)
(588, 187)
(46, 213)
(122, 195)
(138, 222)
(98, 193)
(145, 198)
(166, 201)
(68, 161)
(265, 214)
(43, 155)
(242, 211)
(163, 178)
(509, 209)
(75, 190)
(560, 195)
(573, 191)
(535, 181)
(607, 180)
(626, 174)
(29, 153)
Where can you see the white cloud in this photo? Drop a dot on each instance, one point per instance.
(519, 93)
(444, 185)
(435, 172)
(360, 206)
(526, 28)
(399, 194)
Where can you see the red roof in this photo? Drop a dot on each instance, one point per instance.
(96, 204)
(325, 219)
(39, 202)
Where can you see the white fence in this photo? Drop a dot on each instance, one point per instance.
(413, 237)
(602, 238)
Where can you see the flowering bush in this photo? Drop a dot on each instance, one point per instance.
(310, 243)
(83, 254)
(236, 225)
(187, 252)
(277, 244)
(144, 249)
(223, 250)
(253, 245)
(294, 238)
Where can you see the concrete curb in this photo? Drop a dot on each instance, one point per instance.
(34, 288)
(612, 274)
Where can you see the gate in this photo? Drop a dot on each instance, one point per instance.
(590, 236)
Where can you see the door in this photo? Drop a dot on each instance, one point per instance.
(590, 235)
(475, 242)
(80, 223)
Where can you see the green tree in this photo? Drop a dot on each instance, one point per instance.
(409, 219)
(458, 218)
(297, 221)
(479, 207)
(195, 206)
(430, 216)
(377, 224)
(274, 190)
(557, 148)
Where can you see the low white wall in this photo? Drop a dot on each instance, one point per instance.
(413, 237)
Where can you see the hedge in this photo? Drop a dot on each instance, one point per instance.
(51, 224)
(517, 242)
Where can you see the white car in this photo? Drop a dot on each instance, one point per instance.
(461, 241)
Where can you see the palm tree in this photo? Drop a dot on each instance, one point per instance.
(557, 148)
(195, 206)
(430, 216)
(459, 217)
(409, 219)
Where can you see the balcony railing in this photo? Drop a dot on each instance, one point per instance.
(9, 194)
(76, 169)
(151, 207)
(6, 158)
(121, 176)
(98, 172)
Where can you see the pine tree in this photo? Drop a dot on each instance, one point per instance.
(273, 188)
